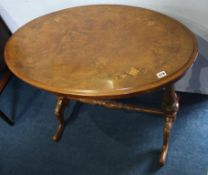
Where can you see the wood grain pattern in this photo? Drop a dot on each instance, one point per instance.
(101, 51)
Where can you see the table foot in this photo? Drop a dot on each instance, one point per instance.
(170, 107)
(59, 113)
(166, 135)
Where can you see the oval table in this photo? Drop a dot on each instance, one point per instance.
(94, 54)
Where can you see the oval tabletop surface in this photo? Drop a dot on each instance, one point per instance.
(101, 51)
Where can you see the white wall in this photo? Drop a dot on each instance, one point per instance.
(193, 13)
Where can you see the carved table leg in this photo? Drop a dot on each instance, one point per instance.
(170, 107)
(59, 113)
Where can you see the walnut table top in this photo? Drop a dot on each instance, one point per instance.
(102, 51)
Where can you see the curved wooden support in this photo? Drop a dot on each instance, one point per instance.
(59, 113)
(166, 135)
(170, 107)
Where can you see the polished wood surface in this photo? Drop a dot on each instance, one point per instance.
(101, 51)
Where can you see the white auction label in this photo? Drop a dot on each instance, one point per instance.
(161, 74)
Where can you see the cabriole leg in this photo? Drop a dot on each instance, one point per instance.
(59, 113)
(170, 107)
